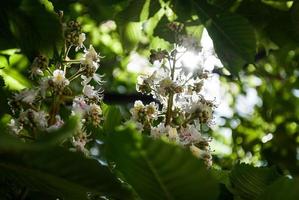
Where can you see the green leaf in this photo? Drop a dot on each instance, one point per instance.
(132, 12)
(112, 118)
(33, 25)
(283, 188)
(158, 170)
(295, 18)
(2, 82)
(56, 171)
(234, 40)
(232, 35)
(162, 30)
(249, 182)
(138, 10)
(183, 9)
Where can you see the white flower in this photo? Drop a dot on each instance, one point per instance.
(202, 154)
(91, 59)
(168, 131)
(151, 110)
(58, 124)
(172, 133)
(15, 127)
(159, 131)
(138, 107)
(44, 85)
(203, 109)
(40, 119)
(165, 85)
(26, 96)
(36, 71)
(79, 106)
(90, 92)
(79, 143)
(91, 55)
(59, 78)
(85, 80)
(81, 39)
(190, 135)
(80, 140)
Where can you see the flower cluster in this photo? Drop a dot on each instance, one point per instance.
(39, 108)
(183, 108)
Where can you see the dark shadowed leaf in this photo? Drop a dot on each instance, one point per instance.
(56, 171)
(283, 188)
(249, 182)
(32, 25)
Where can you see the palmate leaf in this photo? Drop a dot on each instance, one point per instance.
(234, 40)
(249, 182)
(56, 171)
(157, 170)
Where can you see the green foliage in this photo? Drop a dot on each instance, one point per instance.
(249, 182)
(112, 117)
(33, 26)
(56, 171)
(157, 170)
(283, 188)
(234, 40)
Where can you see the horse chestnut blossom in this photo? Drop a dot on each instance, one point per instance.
(183, 108)
(39, 109)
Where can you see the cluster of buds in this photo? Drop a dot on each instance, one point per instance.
(184, 109)
(73, 34)
(39, 109)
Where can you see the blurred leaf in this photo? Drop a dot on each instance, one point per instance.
(132, 12)
(283, 188)
(138, 10)
(112, 118)
(56, 171)
(183, 9)
(249, 182)
(295, 18)
(158, 170)
(131, 34)
(223, 4)
(2, 82)
(34, 26)
(14, 79)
